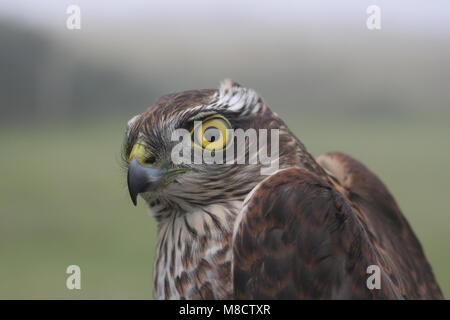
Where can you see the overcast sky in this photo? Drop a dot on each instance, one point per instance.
(400, 15)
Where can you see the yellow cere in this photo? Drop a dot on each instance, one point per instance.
(212, 134)
(139, 152)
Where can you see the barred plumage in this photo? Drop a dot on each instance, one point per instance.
(226, 231)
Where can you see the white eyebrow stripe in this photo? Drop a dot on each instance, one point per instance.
(131, 122)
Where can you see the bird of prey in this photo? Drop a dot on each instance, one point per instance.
(312, 229)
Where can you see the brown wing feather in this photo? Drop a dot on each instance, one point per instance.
(388, 229)
(299, 238)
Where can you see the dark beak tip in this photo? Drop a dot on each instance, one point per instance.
(134, 200)
(131, 190)
(141, 179)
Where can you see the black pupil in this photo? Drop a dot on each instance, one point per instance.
(212, 134)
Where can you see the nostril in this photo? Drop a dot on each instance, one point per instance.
(150, 160)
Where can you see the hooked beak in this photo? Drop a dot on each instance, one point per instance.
(142, 179)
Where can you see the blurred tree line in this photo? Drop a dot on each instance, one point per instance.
(121, 69)
(40, 79)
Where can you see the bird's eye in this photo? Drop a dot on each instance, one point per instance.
(212, 133)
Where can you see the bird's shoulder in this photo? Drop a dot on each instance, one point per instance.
(385, 224)
(303, 235)
(298, 238)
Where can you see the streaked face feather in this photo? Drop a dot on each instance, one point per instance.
(201, 183)
(196, 211)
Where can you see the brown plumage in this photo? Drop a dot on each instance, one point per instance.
(307, 231)
(301, 238)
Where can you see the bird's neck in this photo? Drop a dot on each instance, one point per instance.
(193, 253)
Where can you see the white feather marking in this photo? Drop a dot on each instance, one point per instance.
(131, 122)
(176, 224)
(234, 97)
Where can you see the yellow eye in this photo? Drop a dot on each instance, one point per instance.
(212, 133)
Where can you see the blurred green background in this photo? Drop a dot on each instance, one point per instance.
(65, 97)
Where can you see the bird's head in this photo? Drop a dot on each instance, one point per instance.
(172, 150)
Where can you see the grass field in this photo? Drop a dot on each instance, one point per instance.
(63, 200)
